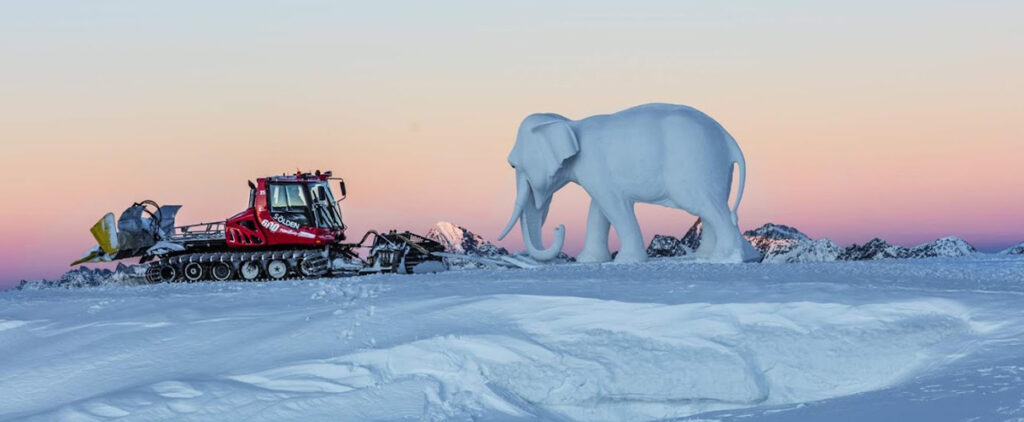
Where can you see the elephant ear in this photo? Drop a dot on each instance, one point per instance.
(542, 148)
(560, 141)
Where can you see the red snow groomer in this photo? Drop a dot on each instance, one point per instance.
(292, 228)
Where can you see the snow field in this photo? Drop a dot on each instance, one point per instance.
(666, 339)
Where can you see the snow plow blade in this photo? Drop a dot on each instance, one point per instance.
(134, 233)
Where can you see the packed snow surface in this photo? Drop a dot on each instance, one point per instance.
(923, 339)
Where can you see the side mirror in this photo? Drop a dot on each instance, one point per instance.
(344, 193)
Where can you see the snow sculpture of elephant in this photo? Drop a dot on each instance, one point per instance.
(663, 154)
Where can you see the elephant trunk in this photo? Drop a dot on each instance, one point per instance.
(531, 221)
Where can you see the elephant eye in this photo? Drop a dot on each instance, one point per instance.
(513, 165)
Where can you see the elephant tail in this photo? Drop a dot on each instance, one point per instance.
(741, 164)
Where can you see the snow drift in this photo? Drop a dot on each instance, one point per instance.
(652, 341)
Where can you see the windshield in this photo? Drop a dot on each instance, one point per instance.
(288, 197)
(325, 207)
(305, 204)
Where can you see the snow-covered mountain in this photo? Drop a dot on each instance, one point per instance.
(88, 277)
(1017, 249)
(691, 240)
(781, 243)
(775, 239)
(875, 249)
(820, 250)
(457, 239)
(950, 246)
(772, 240)
(668, 246)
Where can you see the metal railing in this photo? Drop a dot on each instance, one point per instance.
(199, 232)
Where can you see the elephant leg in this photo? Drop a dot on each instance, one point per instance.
(708, 237)
(595, 244)
(727, 246)
(621, 215)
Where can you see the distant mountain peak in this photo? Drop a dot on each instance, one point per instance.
(808, 251)
(458, 239)
(776, 231)
(775, 239)
(667, 246)
(949, 246)
(1017, 249)
(84, 276)
(876, 248)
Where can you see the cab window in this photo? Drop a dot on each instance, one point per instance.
(289, 201)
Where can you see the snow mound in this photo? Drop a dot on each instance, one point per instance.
(950, 246)
(820, 250)
(589, 360)
(592, 359)
(661, 340)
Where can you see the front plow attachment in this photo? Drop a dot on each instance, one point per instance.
(140, 227)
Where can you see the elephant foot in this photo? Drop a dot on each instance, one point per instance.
(586, 256)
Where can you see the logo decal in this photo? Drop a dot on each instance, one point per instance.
(270, 225)
(280, 219)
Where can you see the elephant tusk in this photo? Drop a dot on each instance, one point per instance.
(522, 197)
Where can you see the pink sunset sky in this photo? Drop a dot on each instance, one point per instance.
(899, 120)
